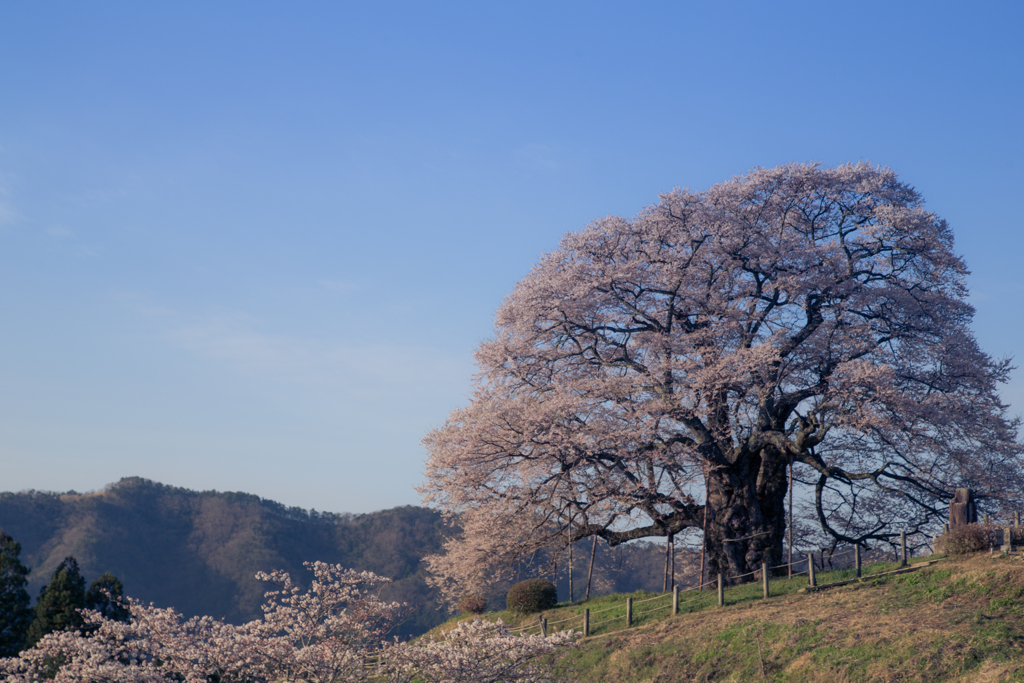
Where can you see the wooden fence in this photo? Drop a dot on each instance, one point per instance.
(677, 599)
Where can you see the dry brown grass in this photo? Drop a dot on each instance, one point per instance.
(956, 621)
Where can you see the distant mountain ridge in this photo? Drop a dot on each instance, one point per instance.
(199, 551)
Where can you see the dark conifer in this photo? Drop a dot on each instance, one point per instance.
(105, 596)
(59, 602)
(15, 614)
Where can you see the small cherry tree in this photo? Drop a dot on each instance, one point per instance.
(324, 635)
(663, 373)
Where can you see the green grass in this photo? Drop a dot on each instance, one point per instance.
(957, 620)
(608, 613)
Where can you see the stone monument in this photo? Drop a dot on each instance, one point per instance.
(962, 510)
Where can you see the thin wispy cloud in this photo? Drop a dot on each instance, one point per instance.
(67, 237)
(339, 286)
(7, 213)
(94, 195)
(537, 157)
(60, 232)
(369, 370)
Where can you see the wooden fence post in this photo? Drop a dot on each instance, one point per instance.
(586, 622)
(675, 600)
(903, 548)
(764, 578)
(629, 612)
(856, 559)
(543, 625)
(721, 590)
(810, 570)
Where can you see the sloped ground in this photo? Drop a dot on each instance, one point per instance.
(955, 620)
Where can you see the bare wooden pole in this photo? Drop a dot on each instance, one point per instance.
(672, 568)
(704, 532)
(664, 582)
(570, 558)
(789, 562)
(590, 572)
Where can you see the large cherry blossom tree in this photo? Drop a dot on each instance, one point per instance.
(663, 373)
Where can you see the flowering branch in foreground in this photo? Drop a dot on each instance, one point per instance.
(475, 651)
(327, 634)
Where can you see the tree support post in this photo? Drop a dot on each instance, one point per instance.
(764, 578)
(810, 570)
(586, 622)
(570, 559)
(590, 572)
(629, 612)
(903, 548)
(721, 591)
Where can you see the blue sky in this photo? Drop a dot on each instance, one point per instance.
(251, 246)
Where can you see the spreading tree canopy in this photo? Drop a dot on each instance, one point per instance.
(662, 373)
(15, 614)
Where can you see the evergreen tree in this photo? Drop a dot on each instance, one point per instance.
(15, 614)
(59, 602)
(105, 596)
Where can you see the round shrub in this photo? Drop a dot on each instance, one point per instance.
(963, 540)
(473, 604)
(532, 595)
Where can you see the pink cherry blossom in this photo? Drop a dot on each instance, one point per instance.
(658, 370)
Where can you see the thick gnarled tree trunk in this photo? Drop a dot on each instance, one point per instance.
(746, 515)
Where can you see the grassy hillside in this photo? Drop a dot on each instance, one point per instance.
(953, 620)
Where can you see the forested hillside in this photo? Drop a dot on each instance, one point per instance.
(199, 551)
